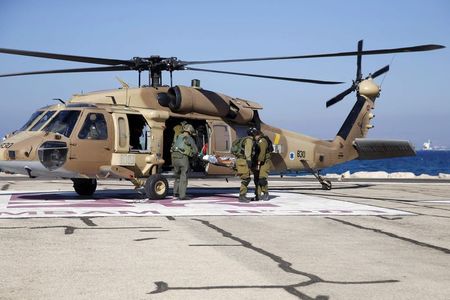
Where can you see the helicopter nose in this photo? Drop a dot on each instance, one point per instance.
(53, 154)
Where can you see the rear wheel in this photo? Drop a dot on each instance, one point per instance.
(84, 187)
(156, 187)
(326, 185)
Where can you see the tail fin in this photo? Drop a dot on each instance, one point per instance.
(355, 126)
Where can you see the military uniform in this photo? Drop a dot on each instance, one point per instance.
(183, 148)
(264, 165)
(243, 166)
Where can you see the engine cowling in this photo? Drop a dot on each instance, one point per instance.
(184, 100)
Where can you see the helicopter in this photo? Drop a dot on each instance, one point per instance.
(127, 133)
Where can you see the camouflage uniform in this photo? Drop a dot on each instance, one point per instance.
(243, 166)
(264, 166)
(183, 148)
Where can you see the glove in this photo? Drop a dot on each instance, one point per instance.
(249, 164)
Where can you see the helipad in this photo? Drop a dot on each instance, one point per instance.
(205, 202)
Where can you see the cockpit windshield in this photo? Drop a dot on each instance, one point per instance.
(43, 119)
(33, 117)
(64, 122)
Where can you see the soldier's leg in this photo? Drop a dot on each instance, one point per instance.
(245, 181)
(256, 175)
(182, 186)
(176, 173)
(263, 182)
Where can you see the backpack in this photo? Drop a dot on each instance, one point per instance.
(269, 144)
(237, 148)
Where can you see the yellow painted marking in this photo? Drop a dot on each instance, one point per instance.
(277, 139)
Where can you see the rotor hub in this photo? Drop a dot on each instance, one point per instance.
(369, 89)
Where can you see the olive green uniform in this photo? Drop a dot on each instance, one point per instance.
(264, 166)
(182, 149)
(243, 165)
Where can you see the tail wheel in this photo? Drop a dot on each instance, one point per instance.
(326, 185)
(156, 187)
(84, 187)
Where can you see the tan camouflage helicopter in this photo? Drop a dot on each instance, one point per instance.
(127, 133)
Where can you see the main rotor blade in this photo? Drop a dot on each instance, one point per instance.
(341, 96)
(419, 48)
(84, 59)
(266, 76)
(380, 71)
(358, 61)
(78, 70)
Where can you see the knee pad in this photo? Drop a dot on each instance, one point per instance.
(262, 181)
(246, 181)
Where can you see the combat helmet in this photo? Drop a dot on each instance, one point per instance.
(189, 128)
(252, 131)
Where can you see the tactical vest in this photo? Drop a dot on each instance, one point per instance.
(182, 146)
(238, 147)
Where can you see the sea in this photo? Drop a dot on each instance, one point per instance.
(430, 162)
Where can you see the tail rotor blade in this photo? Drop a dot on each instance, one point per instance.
(341, 96)
(358, 61)
(380, 71)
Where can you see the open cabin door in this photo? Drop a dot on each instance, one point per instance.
(122, 138)
(220, 141)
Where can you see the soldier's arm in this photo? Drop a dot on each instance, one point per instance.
(193, 145)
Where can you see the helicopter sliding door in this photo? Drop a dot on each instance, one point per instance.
(91, 142)
(220, 145)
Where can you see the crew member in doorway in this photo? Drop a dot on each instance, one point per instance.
(135, 135)
(183, 148)
(178, 129)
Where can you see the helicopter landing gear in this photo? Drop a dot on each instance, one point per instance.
(156, 187)
(84, 187)
(326, 184)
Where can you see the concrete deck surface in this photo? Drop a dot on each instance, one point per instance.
(251, 256)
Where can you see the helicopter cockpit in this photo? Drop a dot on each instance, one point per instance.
(63, 122)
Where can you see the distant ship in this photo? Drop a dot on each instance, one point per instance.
(427, 146)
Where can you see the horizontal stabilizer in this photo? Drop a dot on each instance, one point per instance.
(377, 149)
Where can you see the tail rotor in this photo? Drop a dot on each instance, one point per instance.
(358, 79)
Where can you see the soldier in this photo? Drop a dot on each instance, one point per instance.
(182, 149)
(178, 129)
(243, 149)
(264, 164)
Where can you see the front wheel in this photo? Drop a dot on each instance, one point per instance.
(156, 187)
(84, 187)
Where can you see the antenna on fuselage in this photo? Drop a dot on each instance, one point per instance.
(60, 100)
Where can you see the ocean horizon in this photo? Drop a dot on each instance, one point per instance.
(429, 162)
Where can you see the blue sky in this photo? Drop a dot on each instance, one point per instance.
(413, 104)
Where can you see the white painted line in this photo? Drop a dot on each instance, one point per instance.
(436, 201)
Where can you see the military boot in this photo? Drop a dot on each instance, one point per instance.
(265, 197)
(243, 198)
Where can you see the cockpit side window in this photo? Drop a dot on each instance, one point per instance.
(64, 122)
(94, 127)
(33, 117)
(43, 119)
